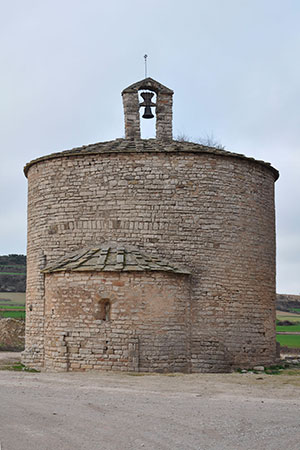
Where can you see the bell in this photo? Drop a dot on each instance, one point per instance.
(148, 113)
(147, 96)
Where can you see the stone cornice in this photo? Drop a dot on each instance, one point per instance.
(120, 146)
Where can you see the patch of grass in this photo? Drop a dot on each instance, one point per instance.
(292, 328)
(295, 371)
(297, 310)
(12, 273)
(8, 307)
(274, 370)
(288, 340)
(282, 369)
(12, 314)
(18, 367)
(13, 266)
(271, 370)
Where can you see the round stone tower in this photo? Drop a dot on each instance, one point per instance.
(192, 233)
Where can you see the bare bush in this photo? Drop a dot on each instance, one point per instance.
(182, 137)
(207, 141)
(210, 141)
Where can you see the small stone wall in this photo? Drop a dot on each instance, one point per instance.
(12, 334)
(117, 321)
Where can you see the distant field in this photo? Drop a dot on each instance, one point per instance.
(10, 302)
(15, 298)
(296, 310)
(292, 317)
(289, 318)
(12, 273)
(288, 340)
(285, 313)
(13, 266)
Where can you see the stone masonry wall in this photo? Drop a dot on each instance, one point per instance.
(131, 115)
(210, 213)
(164, 117)
(147, 329)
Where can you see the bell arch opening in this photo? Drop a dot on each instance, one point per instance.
(163, 108)
(147, 114)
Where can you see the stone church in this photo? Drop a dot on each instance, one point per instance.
(150, 255)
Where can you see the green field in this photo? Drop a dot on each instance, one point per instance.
(19, 267)
(289, 328)
(12, 273)
(7, 306)
(297, 310)
(13, 314)
(288, 340)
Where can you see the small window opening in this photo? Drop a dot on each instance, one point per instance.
(103, 310)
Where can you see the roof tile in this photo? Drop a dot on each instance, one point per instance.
(111, 259)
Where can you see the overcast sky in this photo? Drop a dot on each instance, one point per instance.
(233, 65)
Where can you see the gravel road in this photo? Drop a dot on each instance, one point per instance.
(115, 411)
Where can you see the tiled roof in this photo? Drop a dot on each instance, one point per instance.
(111, 258)
(145, 146)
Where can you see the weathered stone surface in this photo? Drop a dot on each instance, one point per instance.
(147, 326)
(209, 212)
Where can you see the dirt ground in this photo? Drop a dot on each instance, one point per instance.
(116, 411)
